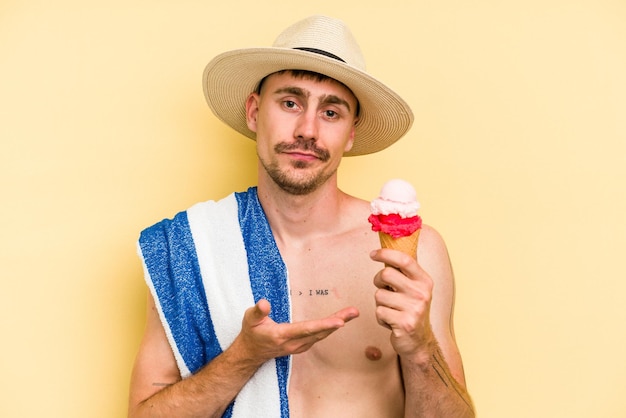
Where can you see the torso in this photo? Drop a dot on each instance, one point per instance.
(354, 372)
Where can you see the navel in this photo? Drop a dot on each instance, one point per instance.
(373, 353)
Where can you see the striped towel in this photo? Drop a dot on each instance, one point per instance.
(205, 267)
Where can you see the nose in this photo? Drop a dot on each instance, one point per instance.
(307, 126)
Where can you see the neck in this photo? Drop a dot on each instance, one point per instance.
(296, 218)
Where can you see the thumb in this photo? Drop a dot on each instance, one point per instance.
(259, 312)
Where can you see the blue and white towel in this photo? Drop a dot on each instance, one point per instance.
(205, 267)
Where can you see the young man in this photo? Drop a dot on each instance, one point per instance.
(275, 302)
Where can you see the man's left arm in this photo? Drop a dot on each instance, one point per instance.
(416, 301)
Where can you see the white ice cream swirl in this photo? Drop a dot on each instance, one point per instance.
(396, 196)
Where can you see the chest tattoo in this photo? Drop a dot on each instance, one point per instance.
(310, 292)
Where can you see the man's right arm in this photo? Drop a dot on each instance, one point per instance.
(156, 388)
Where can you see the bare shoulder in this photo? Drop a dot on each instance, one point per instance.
(433, 254)
(432, 243)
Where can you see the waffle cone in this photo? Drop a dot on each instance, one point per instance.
(407, 245)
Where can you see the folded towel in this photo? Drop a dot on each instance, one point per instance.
(205, 267)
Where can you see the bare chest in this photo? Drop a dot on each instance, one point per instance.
(327, 276)
(324, 284)
(350, 366)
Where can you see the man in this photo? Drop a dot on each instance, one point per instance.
(262, 304)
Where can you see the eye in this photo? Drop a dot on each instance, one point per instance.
(331, 114)
(290, 104)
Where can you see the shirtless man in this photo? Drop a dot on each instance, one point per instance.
(357, 349)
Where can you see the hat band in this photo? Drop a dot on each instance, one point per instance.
(321, 52)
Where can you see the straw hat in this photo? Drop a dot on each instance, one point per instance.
(320, 44)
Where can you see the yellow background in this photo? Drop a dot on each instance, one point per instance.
(518, 154)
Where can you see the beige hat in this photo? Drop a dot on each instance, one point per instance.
(320, 44)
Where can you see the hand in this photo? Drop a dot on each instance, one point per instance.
(403, 301)
(264, 339)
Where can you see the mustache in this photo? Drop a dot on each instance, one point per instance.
(301, 144)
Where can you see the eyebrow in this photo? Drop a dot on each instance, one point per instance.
(325, 99)
(296, 91)
(332, 99)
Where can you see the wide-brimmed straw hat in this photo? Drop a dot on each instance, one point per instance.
(320, 44)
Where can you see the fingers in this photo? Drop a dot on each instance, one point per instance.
(399, 267)
(320, 328)
(301, 336)
(397, 259)
(308, 334)
(265, 338)
(259, 312)
(397, 292)
(402, 299)
(396, 308)
(346, 314)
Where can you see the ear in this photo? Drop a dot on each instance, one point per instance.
(351, 139)
(252, 110)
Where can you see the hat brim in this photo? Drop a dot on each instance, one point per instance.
(230, 77)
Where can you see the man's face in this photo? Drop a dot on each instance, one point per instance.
(303, 127)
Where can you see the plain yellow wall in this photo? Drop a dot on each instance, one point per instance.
(518, 154)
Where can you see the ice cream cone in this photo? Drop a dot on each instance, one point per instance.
(407, 245)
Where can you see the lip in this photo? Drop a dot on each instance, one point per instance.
(299, 155)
